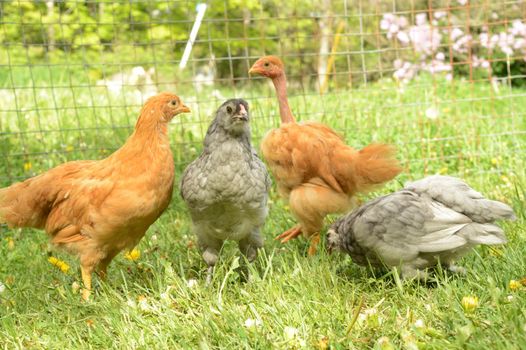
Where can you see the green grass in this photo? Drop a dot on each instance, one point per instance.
(150, 303)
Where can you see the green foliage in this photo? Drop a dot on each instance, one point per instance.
(107, 35)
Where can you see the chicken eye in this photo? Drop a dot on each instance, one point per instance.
(229, 109)
(267, 64)
(173, 103)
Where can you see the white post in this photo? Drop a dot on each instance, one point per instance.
(201, 8)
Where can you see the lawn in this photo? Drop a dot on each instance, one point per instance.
(160, 300)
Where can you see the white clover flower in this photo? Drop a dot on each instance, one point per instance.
(251, 323)
(131, 303)
(432, 113)
(290, 332)
(2, 287)
(144, 305)
(419, 323)
(191, 283)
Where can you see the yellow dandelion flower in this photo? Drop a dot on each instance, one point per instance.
(494, 161)
(514, 285)
(69, 148)
(10, 243)
(323, 343)
(27, 166)
(470, 303)
(443, 170)
(133, 255)
(59, 264)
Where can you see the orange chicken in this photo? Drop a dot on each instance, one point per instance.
(95, 209)
(314, 169)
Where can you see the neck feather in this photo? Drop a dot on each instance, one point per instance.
(280, 84)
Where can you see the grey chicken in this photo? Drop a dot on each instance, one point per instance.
(226, 188)
(436, 219)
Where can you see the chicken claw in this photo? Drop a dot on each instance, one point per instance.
(290, 234)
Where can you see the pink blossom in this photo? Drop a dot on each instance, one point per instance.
(405, 72)
(440, 56)
(386, 21)
(456, 33)
(425, 39)
(487, 41)
(479, 62)
(421, 19)
(506, 42)
(520, 43)
(436, 66)
(463, 44)
(398, 63)
(403, 37)
(518, 28)
(440, 14)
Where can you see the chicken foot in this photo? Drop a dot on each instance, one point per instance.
(210, 247)
(314, 241)
(291, 233)
(86, 272)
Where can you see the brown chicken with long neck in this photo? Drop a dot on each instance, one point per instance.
(95, 209)
(313, 167)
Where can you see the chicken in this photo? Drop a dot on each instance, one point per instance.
(314, 169)
(95, 209)
(436, 219)
(226, 188)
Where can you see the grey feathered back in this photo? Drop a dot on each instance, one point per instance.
(438, 218)
(457, 195)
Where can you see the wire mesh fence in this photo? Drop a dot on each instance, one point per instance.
(443, 80)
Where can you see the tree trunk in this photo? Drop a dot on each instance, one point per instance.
(325, 37)
(50, 24)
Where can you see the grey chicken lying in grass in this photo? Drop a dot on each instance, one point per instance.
(436, 219)
(226, 188)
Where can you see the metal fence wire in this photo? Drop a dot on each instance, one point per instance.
(441, 79)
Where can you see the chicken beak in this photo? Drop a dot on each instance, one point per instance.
(253, 71)
(243, 114)
(184, 109)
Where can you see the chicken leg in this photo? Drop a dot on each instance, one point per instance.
(310, 203)
(86, 272)
(103, 265)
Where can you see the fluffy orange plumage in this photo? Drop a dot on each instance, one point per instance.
(95, 209)
(314, 169)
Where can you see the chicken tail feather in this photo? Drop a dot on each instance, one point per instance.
(373, 165)
(25, 204)
(488, 234)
